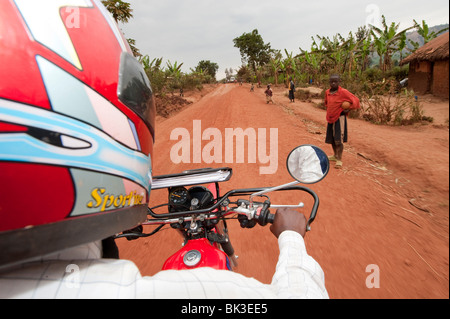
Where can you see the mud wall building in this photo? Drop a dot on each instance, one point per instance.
(429, 67)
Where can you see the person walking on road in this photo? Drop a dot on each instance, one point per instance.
(269, 94)
(291, 90)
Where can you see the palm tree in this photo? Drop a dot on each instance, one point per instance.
(120, 10)
(134, 49)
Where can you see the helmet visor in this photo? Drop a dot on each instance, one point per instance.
(134, 90)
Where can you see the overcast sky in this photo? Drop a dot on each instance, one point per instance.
(189, 31)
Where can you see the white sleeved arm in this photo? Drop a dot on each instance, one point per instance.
(297, 274)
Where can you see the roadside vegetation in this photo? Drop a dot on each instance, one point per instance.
(168, 81)
(367, 61)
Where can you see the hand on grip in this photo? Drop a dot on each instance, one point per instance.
(288, 219)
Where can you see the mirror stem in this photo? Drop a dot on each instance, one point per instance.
(267, 190)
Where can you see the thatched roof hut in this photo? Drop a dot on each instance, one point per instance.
(429, 67)
(436, 49)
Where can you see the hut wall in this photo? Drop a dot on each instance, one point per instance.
(440, 85)
(419, 78)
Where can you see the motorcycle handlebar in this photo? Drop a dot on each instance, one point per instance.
(315, 207)
(263, 217)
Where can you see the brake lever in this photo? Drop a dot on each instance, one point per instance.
(300, 205)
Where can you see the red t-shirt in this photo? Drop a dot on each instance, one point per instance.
(333, 103)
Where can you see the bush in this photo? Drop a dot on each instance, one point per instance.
(163, 82)
(394, 108)
(398, 72)
(157, 79)
(307, 94)
(372, 75)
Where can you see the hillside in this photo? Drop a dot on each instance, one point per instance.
(416, 37)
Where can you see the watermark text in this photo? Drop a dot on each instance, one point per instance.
(261, 146)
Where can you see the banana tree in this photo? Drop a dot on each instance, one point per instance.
(364, 49)
(288, 65)
(331, 50)
(348, 49)
(424, 31)
(145, 60)
(174, 69)
(199, 74)
(174, 75)
(156, 63)
(275, 65)
(313, 61)
(386, 42)
(318, 60)
(153, 65)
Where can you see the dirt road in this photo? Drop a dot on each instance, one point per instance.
(386, 210)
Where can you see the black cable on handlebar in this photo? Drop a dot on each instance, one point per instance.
(236, 192)
(139, 235)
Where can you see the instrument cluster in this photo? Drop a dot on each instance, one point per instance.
(183, 199)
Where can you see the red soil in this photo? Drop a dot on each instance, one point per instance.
(388, 206)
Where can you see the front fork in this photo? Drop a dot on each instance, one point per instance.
(222, 231)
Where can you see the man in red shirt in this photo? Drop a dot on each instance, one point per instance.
(338, 102)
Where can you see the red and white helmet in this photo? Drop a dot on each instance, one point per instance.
(76, 128)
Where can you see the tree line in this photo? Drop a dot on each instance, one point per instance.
(369, 52)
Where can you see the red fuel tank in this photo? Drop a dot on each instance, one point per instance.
(195, 254)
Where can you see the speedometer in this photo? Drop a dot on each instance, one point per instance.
(179, 199)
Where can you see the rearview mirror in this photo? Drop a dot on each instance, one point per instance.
(308, 164)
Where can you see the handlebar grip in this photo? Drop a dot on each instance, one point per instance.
(270, 218)
(264, 217)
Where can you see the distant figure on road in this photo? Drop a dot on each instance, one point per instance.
(269, 94)
(291, 90)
